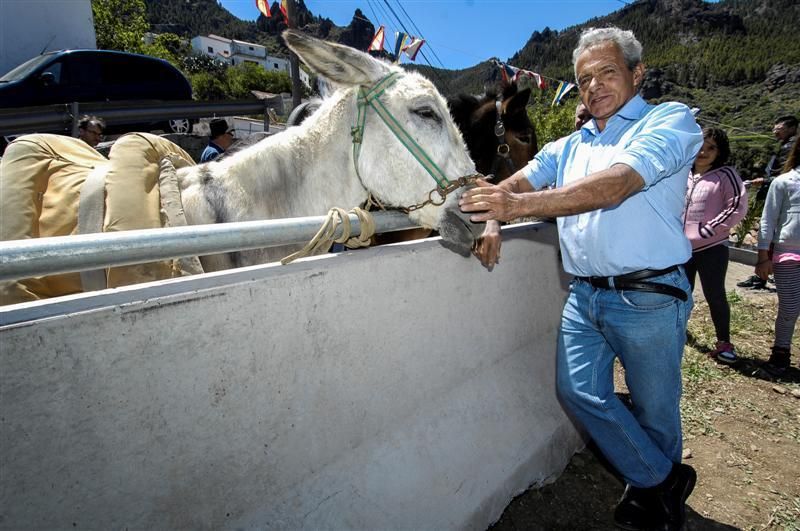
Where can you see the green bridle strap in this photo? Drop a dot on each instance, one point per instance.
(370, 97)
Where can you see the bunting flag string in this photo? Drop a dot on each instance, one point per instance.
(377, 41)
(512, 74)
(411, 49)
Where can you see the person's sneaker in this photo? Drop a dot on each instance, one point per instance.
(753, 282)
(724, 352)
(778, 362)
(673, 493)
(638, 509)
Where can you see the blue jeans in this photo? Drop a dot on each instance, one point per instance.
(647, 332)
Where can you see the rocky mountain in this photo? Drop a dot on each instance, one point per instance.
(188, 18)
(736, 60)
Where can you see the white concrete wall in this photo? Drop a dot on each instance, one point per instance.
(28, 27)
(401, 387)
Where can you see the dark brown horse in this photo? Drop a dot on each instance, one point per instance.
(499, 134)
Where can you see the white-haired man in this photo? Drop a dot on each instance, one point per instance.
(620, 183)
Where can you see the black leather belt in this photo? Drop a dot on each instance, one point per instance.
(633, 282)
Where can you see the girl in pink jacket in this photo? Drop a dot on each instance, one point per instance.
(716, 200)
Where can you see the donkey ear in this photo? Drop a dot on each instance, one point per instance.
(518, 101)
(341, 64)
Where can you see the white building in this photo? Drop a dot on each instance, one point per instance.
(31, 27)
(237, 52)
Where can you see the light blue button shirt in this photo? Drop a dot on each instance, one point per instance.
(645, 231)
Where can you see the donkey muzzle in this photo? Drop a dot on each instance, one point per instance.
(458, 233)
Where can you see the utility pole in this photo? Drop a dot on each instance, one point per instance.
(297, 90)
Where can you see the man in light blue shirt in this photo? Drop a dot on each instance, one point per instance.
(620, 183)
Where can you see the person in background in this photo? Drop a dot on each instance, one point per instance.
(779, 254)
(620, 186)
(220, 139)
(716, 200)
(582, 115)
(785, 131)
(90, 129)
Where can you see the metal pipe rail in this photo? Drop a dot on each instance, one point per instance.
(66, 254)
(55, 117)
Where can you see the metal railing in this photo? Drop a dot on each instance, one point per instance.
(66, 254)
(64, 116)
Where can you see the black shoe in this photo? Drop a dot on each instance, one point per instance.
(638, 510)
(753, 282)
(673, 493)
(778, 362)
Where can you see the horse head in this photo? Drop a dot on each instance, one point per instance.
(499, 143)
(406, 147)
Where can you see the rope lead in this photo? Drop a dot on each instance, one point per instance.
(325, 236)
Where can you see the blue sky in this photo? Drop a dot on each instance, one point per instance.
(462, 33)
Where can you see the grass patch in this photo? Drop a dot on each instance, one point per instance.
(786, 515)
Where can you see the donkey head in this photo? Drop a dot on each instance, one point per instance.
(407, 141)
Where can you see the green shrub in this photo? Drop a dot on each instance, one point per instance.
(551, 123)
(241, 79)
(208, 87)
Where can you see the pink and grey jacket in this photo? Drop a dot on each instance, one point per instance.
(715, 203)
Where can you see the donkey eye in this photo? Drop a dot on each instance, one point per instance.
(427, 113)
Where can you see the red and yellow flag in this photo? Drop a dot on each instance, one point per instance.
(285, 11)
(263, 6)
(377, 41)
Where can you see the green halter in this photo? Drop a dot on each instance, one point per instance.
(370, 96)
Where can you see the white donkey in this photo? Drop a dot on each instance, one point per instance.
(408, 146)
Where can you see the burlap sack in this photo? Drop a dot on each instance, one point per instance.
(40, 180)
(133, 200)
(40, 183)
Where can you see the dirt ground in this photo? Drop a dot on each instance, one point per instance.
(741, 434)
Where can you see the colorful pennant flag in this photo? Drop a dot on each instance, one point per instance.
(398, 44)
(377, 41)
(511, 74)
(285, 11)
(413, 48)
(561, 91)
(263, 6)
(537, 79)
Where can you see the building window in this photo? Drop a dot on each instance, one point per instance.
(251, 48)
(210, 49)
(275, 65)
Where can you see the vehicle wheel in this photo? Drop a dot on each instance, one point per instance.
(180, 125)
